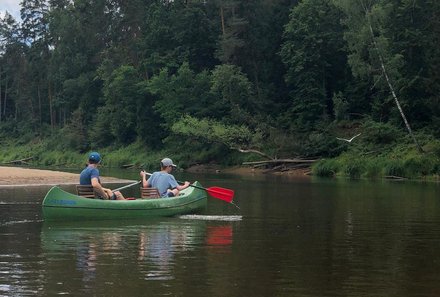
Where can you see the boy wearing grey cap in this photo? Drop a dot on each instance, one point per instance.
(163, 180)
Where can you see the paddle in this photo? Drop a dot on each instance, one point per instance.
(127, 186)
(216, 192)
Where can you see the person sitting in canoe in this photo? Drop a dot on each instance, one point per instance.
(163, 180)
(90, 176)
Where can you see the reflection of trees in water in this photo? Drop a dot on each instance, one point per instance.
(150, 248)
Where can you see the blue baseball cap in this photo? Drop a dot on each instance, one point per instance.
(95, 157)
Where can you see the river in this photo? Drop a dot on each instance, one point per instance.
(285, 237)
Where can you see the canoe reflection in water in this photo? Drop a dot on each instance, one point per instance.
(158, 246)
(218, 236)
(86, 260)
(114, 249)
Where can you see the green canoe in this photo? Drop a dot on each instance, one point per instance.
(61, 205)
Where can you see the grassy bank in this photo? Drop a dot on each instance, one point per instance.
(47, 152)
(40, 153)
(380, 150)
(398, 161)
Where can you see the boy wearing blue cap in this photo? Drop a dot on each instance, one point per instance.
(90, 176)
(163, 180)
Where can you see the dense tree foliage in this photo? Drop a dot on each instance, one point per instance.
(285, 75)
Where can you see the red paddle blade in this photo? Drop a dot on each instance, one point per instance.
(221, 193)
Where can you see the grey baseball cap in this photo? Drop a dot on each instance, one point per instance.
(167, 162)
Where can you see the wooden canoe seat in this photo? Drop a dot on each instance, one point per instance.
(149, 193)
(85, 191)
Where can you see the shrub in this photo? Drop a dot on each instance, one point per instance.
(394, 168)
(354, 168)
(418, 165)
(325, 168)
(373, 168)
(380, 133)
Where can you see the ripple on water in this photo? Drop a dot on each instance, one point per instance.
(211, 218)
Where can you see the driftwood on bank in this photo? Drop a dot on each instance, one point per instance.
(256, 152)
(128, 166)
(278, 161)
(277, 165)
(281, 165)
(19, 161)
(394, 177)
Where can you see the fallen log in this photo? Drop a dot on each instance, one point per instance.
(255, 152)
(127, 166)
(19, 161)
(277, 161)
(394, 177)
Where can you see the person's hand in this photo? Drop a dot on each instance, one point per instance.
(186, 184)
(142, 173)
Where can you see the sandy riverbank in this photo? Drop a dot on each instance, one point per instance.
(17, 176)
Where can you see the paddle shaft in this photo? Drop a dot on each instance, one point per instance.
(127, 186)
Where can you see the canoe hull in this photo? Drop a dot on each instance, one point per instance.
(61, 205)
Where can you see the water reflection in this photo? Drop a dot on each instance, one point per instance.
(297, 238)
(86, 260)
(98, 252)
(158, 245)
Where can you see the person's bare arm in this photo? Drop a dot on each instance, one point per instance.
(184, 186)
(144, 179)
(98, 188)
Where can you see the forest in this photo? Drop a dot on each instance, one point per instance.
(225, 82)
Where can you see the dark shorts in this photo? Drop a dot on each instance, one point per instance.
(169, 194)
(112, 197)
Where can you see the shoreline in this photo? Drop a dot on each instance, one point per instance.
(245, 170)
(23, 177)
(20, 176)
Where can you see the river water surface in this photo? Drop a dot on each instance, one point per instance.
(296, 237)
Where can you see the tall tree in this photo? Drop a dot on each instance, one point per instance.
(34, 19)
(177, 32)
(313, 52)
(79, 33)
(12, 56)
(123, 97)
(252, 40)
(372, 52)
(233, 27)
(34, 15)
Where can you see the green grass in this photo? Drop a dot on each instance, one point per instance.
(401, 161)
(135, 154)
(380, 151)
(326, 168)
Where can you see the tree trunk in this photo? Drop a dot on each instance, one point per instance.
(39, 104)
(6, 96)
(51, 113)
(396, 100)
(256, 80)
(16, 104)
(0, 94)
(222, 20)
